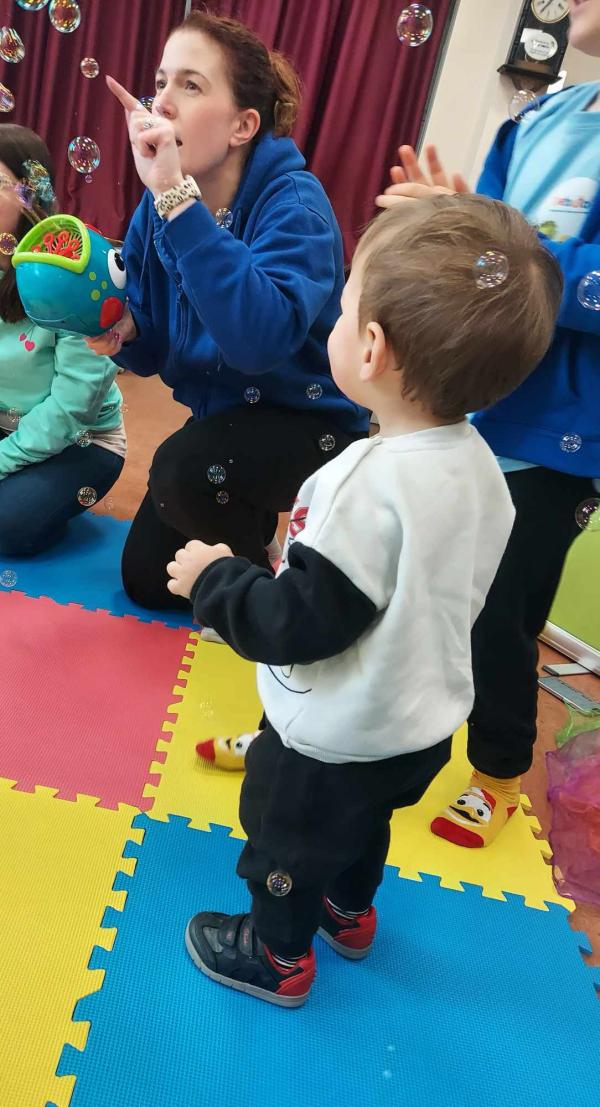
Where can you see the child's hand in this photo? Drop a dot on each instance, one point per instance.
(190, 562)
(109, 343)
(409, 182)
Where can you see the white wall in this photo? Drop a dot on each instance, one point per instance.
(471, 99)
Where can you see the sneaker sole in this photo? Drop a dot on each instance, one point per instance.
(344, 951)
(239, 985)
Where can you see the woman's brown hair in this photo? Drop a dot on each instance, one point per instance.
(260, 79)
(18, 145)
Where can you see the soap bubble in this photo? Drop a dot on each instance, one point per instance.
(11, 45)
(7, 100)
(252, 395)
(8, 578)
(216, 474)
(109, 503)
(84, 154)
(65, 16)
(87, 496)
(327, 442)
(588, 291)
(491, 269)
(8, 243)
(25, 193)
(222, 497)
(83, 438)
(147, 102)
(571, 443)
(13, 416)
(587, 515)
(415, 25)
(224, 218)
(314, 391)
(89, 67)
(32, 5)
(524, 101)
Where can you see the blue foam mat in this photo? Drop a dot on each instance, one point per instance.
(85, 568)
(462, 998)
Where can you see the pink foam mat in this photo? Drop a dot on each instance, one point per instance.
(84, 695)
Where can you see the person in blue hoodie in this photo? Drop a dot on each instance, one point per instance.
(546, 434)
(235, 271)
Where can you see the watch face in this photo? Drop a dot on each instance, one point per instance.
(550, 11)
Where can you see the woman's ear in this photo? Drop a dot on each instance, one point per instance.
(248, 123)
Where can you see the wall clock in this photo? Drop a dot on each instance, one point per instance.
(540, 40)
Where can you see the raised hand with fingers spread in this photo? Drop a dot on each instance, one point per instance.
(409, 182)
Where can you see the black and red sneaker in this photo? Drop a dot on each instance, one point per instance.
(227, 949)
(351, 938)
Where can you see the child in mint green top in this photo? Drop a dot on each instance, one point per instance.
(62, 441)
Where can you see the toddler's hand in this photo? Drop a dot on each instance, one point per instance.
(190, 562)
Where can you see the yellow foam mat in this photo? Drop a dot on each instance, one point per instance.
(59, 861)
(219, 697)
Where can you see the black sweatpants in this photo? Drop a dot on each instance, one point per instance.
(260, 456)
(502, 725)
(327, 826)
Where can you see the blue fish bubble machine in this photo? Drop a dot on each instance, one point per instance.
(69, 277)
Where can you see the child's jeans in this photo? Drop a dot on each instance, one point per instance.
(326, 826)
(37, 502)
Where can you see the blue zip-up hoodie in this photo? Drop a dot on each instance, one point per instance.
(223, 311)
(562, 396)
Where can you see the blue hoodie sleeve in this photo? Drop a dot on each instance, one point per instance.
(492, 181)
(258, 301)
(144, 355)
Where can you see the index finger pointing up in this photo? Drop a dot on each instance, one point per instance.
(129, 102)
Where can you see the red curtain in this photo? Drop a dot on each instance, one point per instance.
(365, 92)
(55, 99)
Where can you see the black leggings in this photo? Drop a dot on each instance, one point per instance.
(223, 479)
(502, 726)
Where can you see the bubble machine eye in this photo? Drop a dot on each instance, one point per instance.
(116, 269)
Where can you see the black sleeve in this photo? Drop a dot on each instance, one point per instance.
(310, 612)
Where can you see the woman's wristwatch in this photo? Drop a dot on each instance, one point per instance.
(173, 197)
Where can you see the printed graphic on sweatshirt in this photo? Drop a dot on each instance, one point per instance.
(296, 525)
(563, 212)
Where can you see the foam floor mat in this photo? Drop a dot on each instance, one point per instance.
(58, 866)
(219, 697)
(84, 696)
(461, 995)
(85, 568)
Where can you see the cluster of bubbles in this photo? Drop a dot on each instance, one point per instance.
(490, 269)
(87, 496)
(224, 218)
(84, 155)
(587, 515)
(8, 243)
(11, 45)
(588, 291)
(216, 474)
(89, 67)
(65, 16)
(571, 443)
(415, 24)
(523, 102)
(8, 578)
(7, 100)
(326, 443)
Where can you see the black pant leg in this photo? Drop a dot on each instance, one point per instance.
(149, 546)
(502, 725)
(315, 821)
